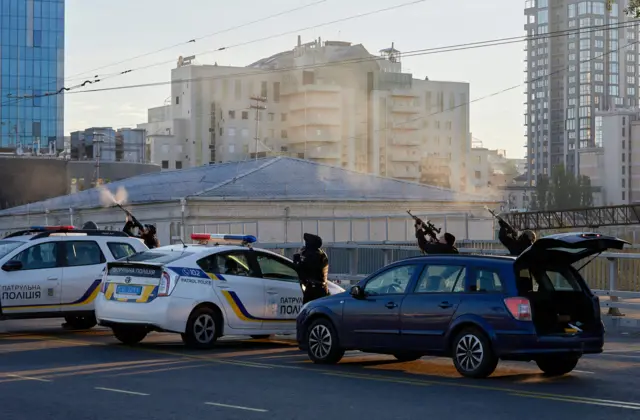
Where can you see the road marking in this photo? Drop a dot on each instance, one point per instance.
(122, 391)
(604, 403)
(27, 378)
(397, 381)
(237, 407)
(584, 371)
(144, 372)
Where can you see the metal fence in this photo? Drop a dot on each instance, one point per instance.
(613, 276)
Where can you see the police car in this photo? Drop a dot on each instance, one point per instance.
(55, 271)
(219, 286)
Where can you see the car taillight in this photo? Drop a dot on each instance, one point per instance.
(519, 307)
(164, 289)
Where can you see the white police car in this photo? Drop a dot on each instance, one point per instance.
(55, 271)
(218, 287)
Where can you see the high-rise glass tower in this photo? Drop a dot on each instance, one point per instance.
(581, 57)
(31, 64)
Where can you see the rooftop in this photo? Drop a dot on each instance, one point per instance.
(275, 178)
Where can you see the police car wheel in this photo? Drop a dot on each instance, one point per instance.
(129, 335)
(202, 331)
(322, 343)
(81, 322)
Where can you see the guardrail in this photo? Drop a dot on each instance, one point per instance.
(612, 276)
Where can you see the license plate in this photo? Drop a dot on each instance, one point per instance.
(129, 290)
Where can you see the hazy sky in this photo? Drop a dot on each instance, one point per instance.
(104, 32)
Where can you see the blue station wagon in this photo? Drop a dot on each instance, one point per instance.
(476, 309)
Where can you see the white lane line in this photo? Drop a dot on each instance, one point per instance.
(122, 391)
(237, 407)
(584, 371)
(27, 378)
(603, 403)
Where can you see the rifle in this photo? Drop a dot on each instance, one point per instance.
(135, 221)
(428, 227)
(510, 229)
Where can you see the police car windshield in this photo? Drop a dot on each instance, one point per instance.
(156, 256)
(8, 246)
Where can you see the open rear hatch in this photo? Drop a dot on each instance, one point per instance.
(561, 301)
(132, 281)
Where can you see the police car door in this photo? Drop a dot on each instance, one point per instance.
(83, 262)
(283, 294)
(239, 286)
(31, 281)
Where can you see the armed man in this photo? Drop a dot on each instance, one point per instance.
(147, 232)
(444, 244)
(312, 265)
(514, 242)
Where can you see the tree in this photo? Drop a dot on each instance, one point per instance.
(632, 10)
(562, 191)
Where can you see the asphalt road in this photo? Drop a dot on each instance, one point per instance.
(48, 373)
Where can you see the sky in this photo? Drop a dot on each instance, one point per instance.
(100, 33)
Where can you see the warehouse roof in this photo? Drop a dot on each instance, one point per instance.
(275, 178)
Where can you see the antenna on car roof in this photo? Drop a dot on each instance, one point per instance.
(184, 246)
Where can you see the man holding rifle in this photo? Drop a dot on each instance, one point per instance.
(434, 245)
(147, 233)
(516, 244)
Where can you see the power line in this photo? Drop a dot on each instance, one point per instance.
(233, 28)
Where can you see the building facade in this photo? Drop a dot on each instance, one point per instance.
(330, 102)
(109, 145)
(591, 66)
(32, 64)
(614, 164)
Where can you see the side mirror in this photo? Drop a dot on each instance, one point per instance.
(12, 266)
(357, 292)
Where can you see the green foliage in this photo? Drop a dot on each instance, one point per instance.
(633, 10)
(562, 190)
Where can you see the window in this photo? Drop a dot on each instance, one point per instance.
(7, 246)
(234, 264)
(161, 257)
(231, 132)
(283, 134)
(442, 279)
(39, 256)
(276, 92)
(120, 250)
(177, 100)
(80, 253)
(37, 38)
(165, 164)
(276, 270)
(245, 115)
(478, 174)
(390, 282)
(238, 90)
(283, 117)
(232, 115)
(552, 280)
(486, 281)
(178, 164)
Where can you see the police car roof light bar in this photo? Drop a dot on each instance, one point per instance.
(222, 238)
(57, 228)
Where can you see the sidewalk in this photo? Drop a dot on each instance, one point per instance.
(629, 322)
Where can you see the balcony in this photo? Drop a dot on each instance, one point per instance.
(294, 90)
(411, 155)
(323, 152)
(403, 93)
(404, 108)
(314, 137)
(409, 172)
(315, 101)
(408, 124)
(406, 140)
(299, 119)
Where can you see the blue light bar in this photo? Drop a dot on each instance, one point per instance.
(46, 228)
(247, 239)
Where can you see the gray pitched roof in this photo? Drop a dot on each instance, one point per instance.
(276, 178)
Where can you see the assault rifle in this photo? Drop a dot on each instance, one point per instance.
(427, 226)
(135, 221)
(510, 229)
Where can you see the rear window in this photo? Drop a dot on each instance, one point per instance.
(121, 250)
(158, 257)
(550, 280)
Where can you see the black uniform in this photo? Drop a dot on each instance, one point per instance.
(312, 265)
(430, 246)
(148, 235)
(515, 244)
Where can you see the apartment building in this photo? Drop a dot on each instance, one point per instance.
(331, 102)
(122, 145)
(614, 163)
(588, 67)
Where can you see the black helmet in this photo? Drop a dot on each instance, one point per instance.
(90, 226)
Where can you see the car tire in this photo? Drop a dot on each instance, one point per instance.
(472, 354)
(202, 329)
(74, 322)
(407, 357)
(129, 335)
(260, 337)
(557, 366)
(323, 346)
